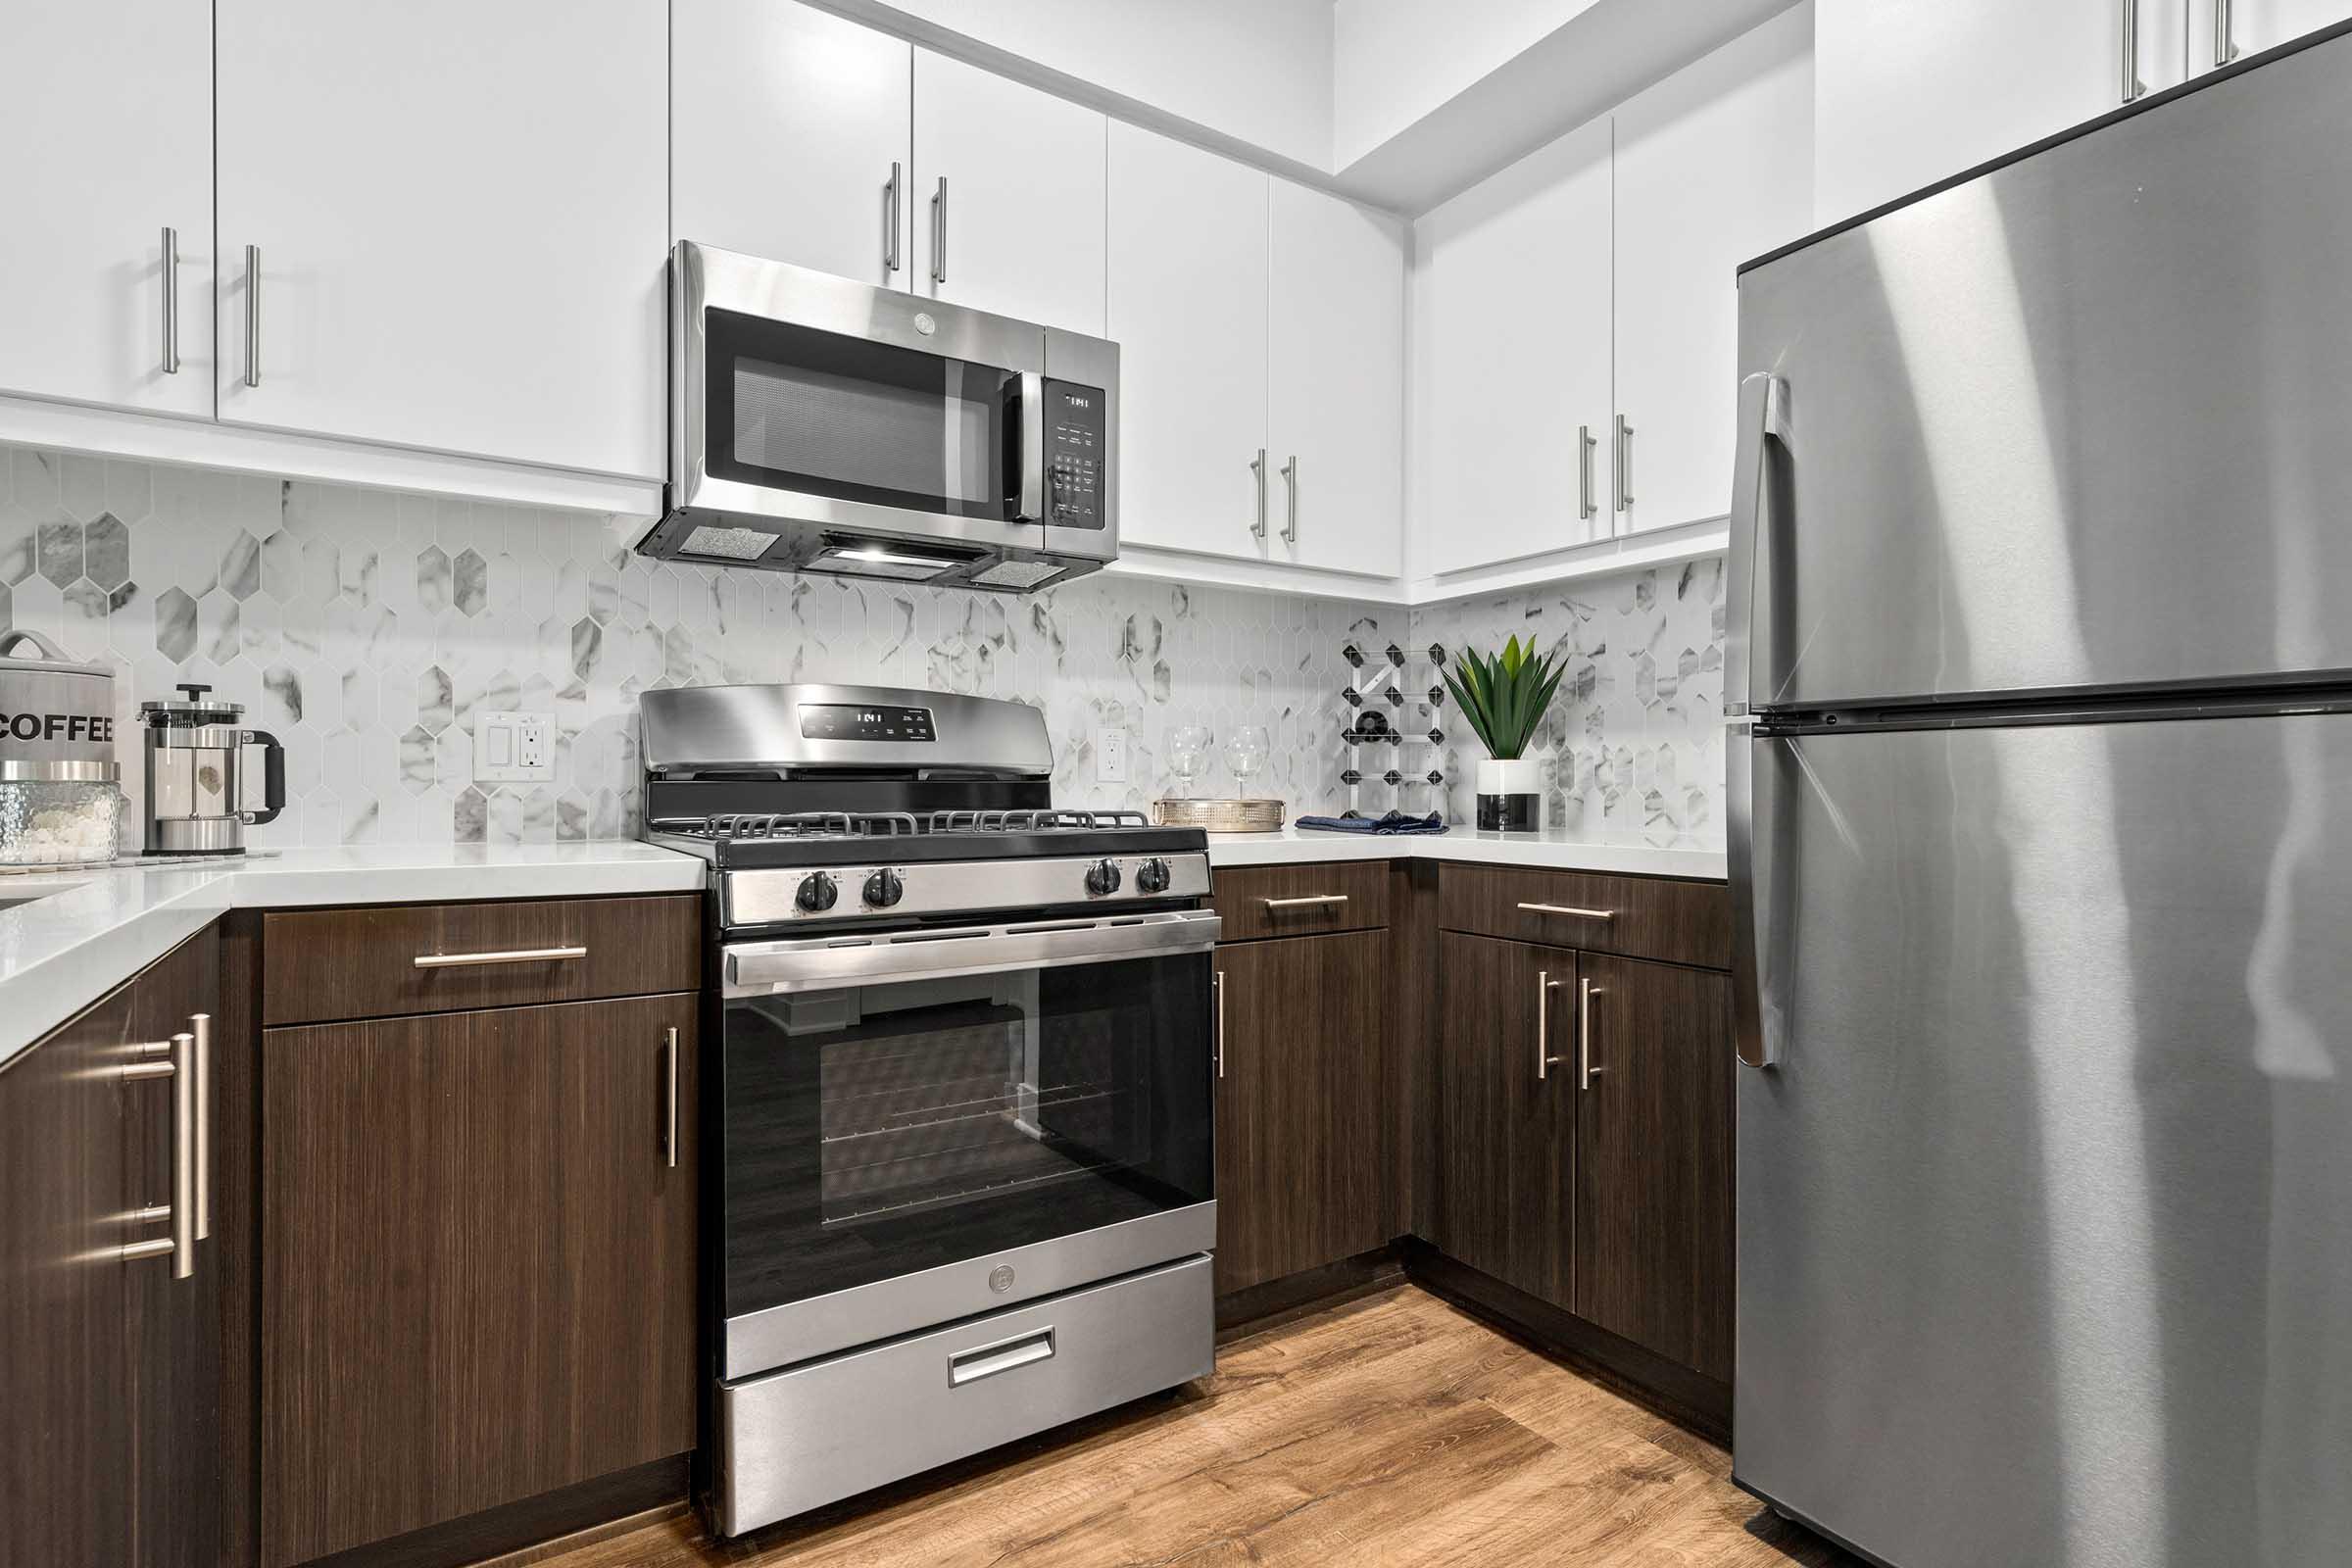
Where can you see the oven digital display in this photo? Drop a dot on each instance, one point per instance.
(858, 721)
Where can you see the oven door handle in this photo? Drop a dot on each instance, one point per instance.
(830, 963)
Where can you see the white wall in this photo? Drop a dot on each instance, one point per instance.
(1394, 61)
(1259, 71)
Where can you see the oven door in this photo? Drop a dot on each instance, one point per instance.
(828, 403)
(923, 1125)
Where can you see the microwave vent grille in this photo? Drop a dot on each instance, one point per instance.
(1018, 574)
(727, 544)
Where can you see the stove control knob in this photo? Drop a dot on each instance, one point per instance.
(1102, 878)
(1151, 876)
(885, 888)
(819, 892)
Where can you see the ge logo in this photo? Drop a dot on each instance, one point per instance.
(999, 1279)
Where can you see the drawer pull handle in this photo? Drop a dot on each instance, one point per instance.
(175, 1059)
(1315, 901)
(459, 960)
(1569, 908)
(987, 1360)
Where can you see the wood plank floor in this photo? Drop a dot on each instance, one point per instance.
(1390, 1430)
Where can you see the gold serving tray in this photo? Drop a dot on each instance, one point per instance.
(1221, 816)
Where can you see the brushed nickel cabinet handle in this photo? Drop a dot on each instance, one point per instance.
(1290, 481)
(1586, 444)
(200, 1026)
(459, 960)
(938, 232)
(1219, 988)
(2224, 47)
(1586, 992)
(179, 1064)
(670, 1128)
(2133, 87)
(1257, 467)
(171, 301)
(1624, 465)
(253, 315)
(1546, 985)
(889, 221)
(1569, 908)
(1312, 900)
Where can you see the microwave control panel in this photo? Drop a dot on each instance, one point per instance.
(1075, 448)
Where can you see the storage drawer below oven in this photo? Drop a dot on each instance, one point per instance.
(795, 1441)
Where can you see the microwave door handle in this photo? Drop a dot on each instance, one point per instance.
(1033, 447)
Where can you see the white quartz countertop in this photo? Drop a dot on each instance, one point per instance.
(82, 933)
(1557, 852)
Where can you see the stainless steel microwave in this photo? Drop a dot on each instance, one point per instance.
(823, 425)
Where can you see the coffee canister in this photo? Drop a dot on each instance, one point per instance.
(61, 802)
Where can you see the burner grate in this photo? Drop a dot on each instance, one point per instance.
(1034, 822)
(743, 825)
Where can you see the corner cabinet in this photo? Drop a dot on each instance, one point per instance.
(110, 1364)
(1583, 1132)
(443, 227)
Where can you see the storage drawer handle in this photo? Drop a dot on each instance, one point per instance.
(1311, 901)
(459, 960)
(1004, 1356)
(175, 1059)
(1569, 908)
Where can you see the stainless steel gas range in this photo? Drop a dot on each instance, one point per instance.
(964, 1108)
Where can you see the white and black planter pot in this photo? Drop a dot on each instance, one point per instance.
(1510, 794)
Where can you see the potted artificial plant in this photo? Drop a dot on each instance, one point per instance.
(1505, 696)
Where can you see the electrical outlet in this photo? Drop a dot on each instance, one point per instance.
(514, 748)
(1111, 757)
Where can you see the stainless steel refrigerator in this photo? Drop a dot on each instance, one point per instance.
(2040, 659)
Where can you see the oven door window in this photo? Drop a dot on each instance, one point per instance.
(878, 1130)
(790, 408)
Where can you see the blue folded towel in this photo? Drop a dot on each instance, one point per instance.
(1394, 823)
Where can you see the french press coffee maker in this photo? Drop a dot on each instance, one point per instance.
(195, 796)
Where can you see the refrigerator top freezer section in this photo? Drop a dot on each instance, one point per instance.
(2082, 422)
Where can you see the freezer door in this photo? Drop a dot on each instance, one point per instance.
(2083, 422)
(2043, 1254)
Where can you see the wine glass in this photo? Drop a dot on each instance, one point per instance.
(1245, 753)
(1187, 753)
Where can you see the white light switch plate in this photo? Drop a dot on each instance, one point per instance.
(514, 748)
(1111, 757)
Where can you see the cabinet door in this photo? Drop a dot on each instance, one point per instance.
(1018, 227)
(1304, 1159)
(461, 222)
(1714, 166)
(1913, 91)
(1514, 374)
(105, 142)
(1336, 378)
(1653, 1180)
(480, 1276)
(2253, 25)
(786, 125)
(1506, 1130)
(1188, 309)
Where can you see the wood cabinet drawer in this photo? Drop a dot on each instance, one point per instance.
(1301, 901)
(1640, 916)
(320, 965)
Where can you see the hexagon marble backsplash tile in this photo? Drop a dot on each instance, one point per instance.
(367, 627)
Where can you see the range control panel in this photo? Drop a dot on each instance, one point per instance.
(840, 721)
(1076, 420)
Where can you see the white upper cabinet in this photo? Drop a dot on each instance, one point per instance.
(1714, 166)
(106, 142)
(1008, 197)
(1336, 410)
(459, 219)
(791, 136)
(2223, 30)
(1910, 92)
(1188, 309)
(1511, 324)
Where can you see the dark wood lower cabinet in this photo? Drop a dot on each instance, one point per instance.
(478, 1262)
(1505, 1136)
(109, 1368)
(1306, 1175)
(1653, 1160)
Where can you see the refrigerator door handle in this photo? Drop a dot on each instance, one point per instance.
(1763, 420)
(1749, 807)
